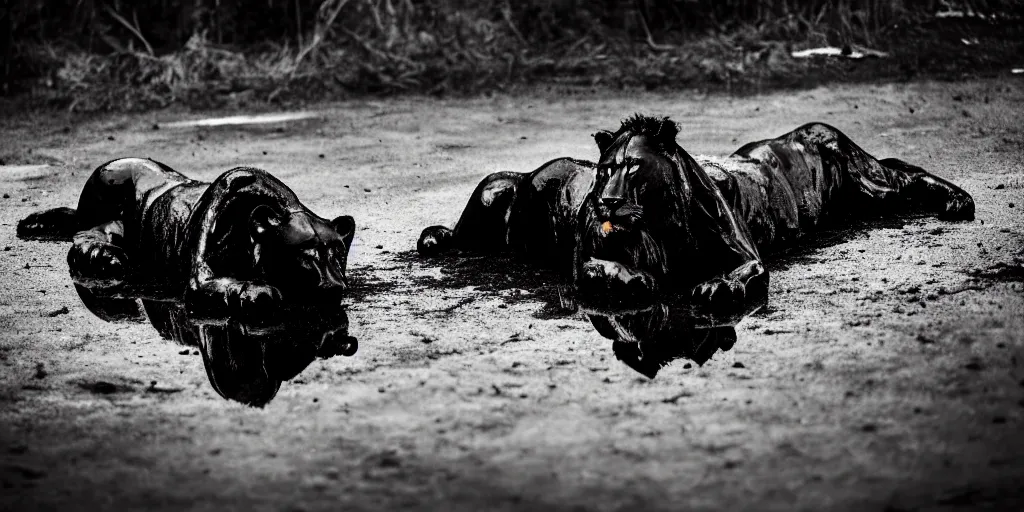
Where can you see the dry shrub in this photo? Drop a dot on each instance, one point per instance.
(322, 47)
(136, 80)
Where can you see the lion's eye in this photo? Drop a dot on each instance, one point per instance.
(632, 168)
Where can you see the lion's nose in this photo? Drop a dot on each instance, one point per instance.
(612, 202)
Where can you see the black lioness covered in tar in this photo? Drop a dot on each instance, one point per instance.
(234, 247)
(238, 268)
(649, 229)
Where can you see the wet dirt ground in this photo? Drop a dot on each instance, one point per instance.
(887, 372)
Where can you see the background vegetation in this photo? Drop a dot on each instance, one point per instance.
(113, 54)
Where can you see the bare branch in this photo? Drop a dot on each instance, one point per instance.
(650, 38)
(133, 29)
(506, 12)
(328, 12)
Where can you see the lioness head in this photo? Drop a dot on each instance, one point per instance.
(623, 259)
(299, 252)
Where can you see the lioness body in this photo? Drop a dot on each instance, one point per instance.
(784, 188)
(650, 224)
(227, 247)
(534, 213)
(230, 251)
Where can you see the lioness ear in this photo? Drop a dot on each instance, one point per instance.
(262, 219)
(604, 139)
(346, 227)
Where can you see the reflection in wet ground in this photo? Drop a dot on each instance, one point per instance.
(649, 340)
(245, 360)
(656, 335)
(697, 345)
(659, 333)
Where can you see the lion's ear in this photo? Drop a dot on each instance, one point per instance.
(262, 219)
(346, 227)
(604, 139)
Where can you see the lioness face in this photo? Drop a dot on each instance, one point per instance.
(300, 253)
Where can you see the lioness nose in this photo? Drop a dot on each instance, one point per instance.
(612, 202)
(333, 283)
(332, 279)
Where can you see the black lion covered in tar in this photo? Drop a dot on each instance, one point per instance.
(649, 231)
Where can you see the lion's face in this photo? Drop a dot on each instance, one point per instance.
(629, 169)
(300, 253)
(624, 259)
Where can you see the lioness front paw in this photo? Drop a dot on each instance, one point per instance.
(243, 301)
(958, 208)
(337, 343)
(434, 240)
(253, 302)
(54, 224)
(97, 263)
(719, 296)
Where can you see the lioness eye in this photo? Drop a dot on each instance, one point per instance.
(631, 169)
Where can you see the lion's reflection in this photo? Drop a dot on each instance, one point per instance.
(697, 345)
(647, 340)
(245, 360)
(646, 335)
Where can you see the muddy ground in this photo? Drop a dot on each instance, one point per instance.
(887, 373)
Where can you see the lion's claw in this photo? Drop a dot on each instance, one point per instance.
(719, 295)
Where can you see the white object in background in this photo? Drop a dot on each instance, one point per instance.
(25, 172)
(827, 51)
(832, 51)
(236, 120)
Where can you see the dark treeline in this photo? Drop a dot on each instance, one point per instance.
(166, 25)
(119, 51)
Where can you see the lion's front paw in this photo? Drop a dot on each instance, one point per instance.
(719, 296)
(97, 263)
(609, 283)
